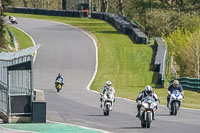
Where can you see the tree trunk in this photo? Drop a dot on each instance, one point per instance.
(104, 5)
(99, 5)
(1, 9)
(25, 3)
(198, 58)
(64, 3)
(120, 5)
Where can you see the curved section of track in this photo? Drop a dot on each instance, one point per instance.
(69, 51)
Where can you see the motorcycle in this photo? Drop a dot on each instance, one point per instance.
(175, 102)
(58, 85)
(108, 99)
(147, 111)
(12, 20)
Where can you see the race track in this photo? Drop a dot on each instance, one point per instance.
(69, 51)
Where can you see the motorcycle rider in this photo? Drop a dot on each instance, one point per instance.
(146, 92)
(172, 87)
(61, 78)
(12, 19)
(107, 88)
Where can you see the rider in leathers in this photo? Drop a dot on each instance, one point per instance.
(106, 89)
(60, 77)
(172, 87)
(147, 92)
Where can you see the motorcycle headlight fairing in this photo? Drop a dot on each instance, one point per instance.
(180, 97)
(145, 105)
(173, 96)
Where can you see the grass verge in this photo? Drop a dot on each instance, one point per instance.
(126, 64)
(23, 39)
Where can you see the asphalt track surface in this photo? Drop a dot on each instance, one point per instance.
(71, 52)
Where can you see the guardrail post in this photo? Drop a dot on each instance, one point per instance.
(8, 94)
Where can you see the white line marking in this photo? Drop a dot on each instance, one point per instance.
(16, 130)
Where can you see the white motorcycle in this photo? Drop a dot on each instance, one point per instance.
(175, 102)
(108, 99)
(147, 110)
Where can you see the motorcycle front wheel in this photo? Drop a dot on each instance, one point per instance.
(107, 109)
(176, 105)
(148, 119)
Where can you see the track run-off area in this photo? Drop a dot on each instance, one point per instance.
(72, 52)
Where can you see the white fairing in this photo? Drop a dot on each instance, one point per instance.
(176, 95)
(108, 99)
(145, 105)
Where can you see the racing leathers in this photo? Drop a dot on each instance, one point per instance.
(61, 79)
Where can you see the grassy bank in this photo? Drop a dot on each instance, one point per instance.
(126, 64)
(23, 39)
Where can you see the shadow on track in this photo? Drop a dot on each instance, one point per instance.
(131, 128)
(95, 115)
(163, 115)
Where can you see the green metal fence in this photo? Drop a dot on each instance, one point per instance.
(189, 83)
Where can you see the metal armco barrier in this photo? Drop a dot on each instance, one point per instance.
(16, 81)
(160, 59)
(189, 83)
(119, 22)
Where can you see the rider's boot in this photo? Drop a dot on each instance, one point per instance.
(153, 116)
(138, 114)
(101, 99)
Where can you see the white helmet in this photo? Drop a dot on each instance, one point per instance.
(108, 83)
(148, 88)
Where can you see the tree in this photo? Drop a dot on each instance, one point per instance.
(184, 47)
(120, 6)
(64, 3)
(25, 3)
(104, 5)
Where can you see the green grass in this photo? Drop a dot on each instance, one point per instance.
(126, 64)
(23, 39)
